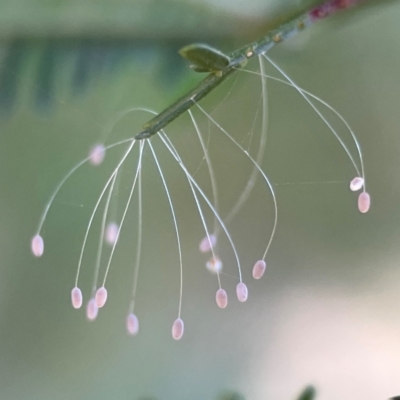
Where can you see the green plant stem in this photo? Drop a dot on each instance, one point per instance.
(285, 29)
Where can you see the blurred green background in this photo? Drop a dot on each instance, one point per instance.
(325, 313)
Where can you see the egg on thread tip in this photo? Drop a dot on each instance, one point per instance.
(92, 310)
(177, 329)
(259, 269)
(364, 202)
(97, 154)
(207, 243)
(111, 233)
(214, 265)
(242, 292)
(76, 297)
(356, 184)
(101, 296)
(37, 246)
(132, 324)
(221, 298)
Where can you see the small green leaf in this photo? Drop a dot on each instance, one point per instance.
(205, 58)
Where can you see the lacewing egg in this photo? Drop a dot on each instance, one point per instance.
(207, 244)
(92, 310)
(37, 246)
(221, 298)
(97, 154)
(132, 324)
(101, 296)
(356, 184)
(111, 233)
(76, 297)
(364, 202)
(214, 265)
(259, 269)
(177, 329)
(242, 292)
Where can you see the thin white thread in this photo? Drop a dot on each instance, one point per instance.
(326, 122)
(173, 151)
(211, 172)
(175, 225)
(260, 154)
(259, 169)
(138, 245)
(95, 209)
(54, 194)
(101, 240)
(142, 143)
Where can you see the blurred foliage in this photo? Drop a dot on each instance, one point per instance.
(142, 19)
(134, 19)
(80, 41)
(230, 396)
(72, 60)
(308, 394)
